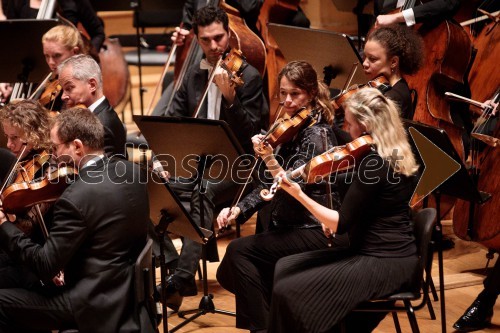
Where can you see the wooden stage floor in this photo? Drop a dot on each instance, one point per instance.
(463, 269)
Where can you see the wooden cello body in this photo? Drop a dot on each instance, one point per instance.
(448, 52)
(479, 222)
(115, 74)
(275, 11)
(244, 39)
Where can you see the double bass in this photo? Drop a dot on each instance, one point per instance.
(478, 222)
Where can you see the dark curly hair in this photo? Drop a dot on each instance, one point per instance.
(402, 41)
(208, 15)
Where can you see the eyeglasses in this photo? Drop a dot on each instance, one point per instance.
(56, 145)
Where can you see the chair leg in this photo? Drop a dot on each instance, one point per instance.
(433, 290)
(396, 321)
(431, 309)
(411, 317)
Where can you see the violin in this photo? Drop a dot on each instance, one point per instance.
(336, 159)
(232, 63)
(380, 82)
(52, 91)
(20, 196)
(285, 129)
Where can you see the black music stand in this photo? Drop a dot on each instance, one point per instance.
(212, 146)
(23, 61)
(459, 185)
(169, 215)
(328, 52)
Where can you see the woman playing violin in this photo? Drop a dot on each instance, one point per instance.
(59, 43)
(394, 51)
(26, 126)
(314, 291)
(248, 265)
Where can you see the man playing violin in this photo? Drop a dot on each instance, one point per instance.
(99, 229)
(244, 108)
(81, 81)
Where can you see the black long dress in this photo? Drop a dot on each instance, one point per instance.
(314, 291)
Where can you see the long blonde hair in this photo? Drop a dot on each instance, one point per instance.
(380, 116)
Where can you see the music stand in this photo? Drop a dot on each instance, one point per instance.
(328, 52)
(459, 185)
(168, 214)
(24, 60)
(216, 151)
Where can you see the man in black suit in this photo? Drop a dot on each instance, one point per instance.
(430, 10)
(81, 80)
(243, 108)
(99, 229)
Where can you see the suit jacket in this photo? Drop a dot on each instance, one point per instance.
(98, 231)
(430, 10)
(245, 116)
(114, 132)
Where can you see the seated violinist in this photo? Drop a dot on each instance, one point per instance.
(248, 265)
(393, 52)
(315, 291)
(98, 231)
(26, 126)
(59, 43)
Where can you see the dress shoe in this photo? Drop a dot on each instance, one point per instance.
(477, 317)
(173, 299)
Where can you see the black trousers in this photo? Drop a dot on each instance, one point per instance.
(216, 193)
(247, 269)
(23, 311)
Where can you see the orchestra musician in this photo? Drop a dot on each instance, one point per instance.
(99, 229)
(394, 51)
(59, 43)
(26, 126)
(81, 81)
(243, 108)
(249, 10)
(315, 291)
(248, 265)
(430, 11)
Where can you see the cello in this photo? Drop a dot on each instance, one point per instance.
(448, 51)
